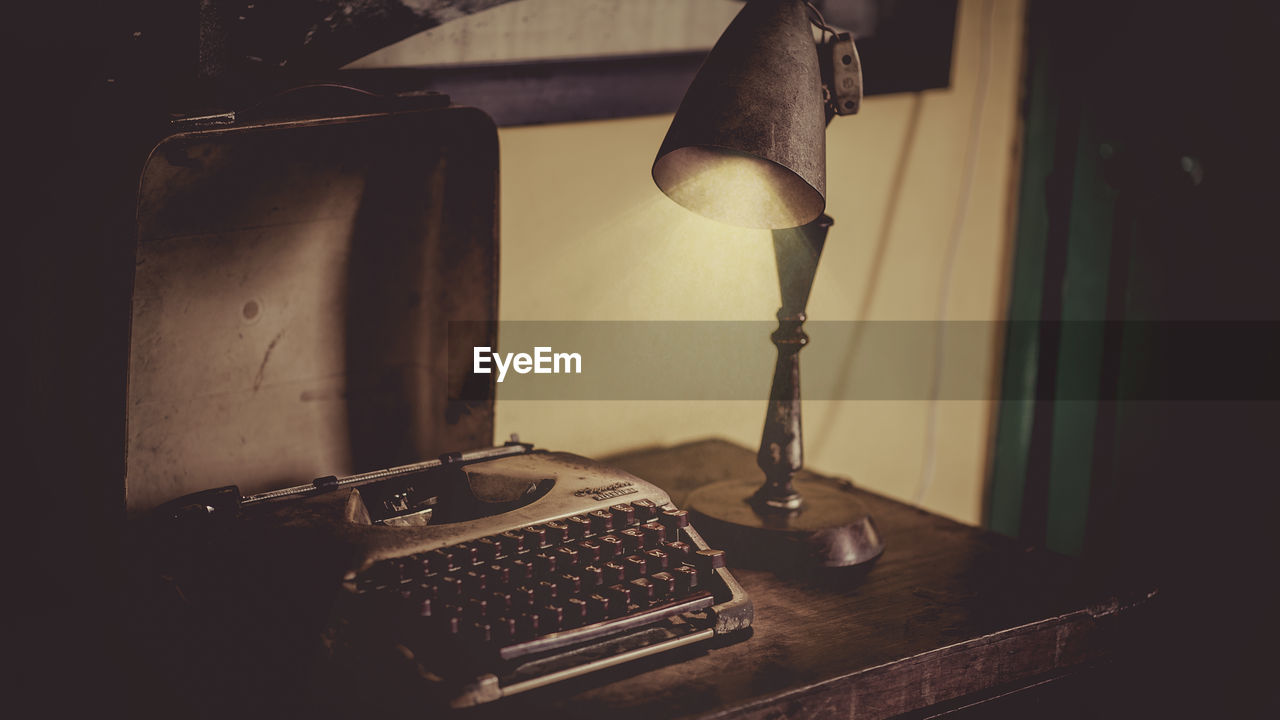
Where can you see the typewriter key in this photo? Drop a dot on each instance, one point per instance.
(523, 598)
(450, 588)
(449, 622)
(487, 549)
(601, 521)
(632, 540)
(557, 532)
(599, 608)
(497, 575)
(475, 608)
(658, 560)
(500, 602)
(654, 534)
(575, 612)
(534, 537)
(544, 564)
(567, 585)
(673, 520)
(636, 566)
(527, 626)
(566, 558)
(462, 554)
(610, 547)
(481, 632)
(439, 561)
(502, 629)
(544, 592)
(664, 584)
(679, 551)
(686, 579)
(613, 573)
(591, 576)
(645, 510)
(521, 570)
(511, 542)
(643, 593)
(473, 582)
(550, 618)
(423, 607)
(620, 596)
(708, 560)
(415, 566)
(588, 551)
(579, 526)
(623, 515)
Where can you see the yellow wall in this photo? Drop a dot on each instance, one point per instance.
(587, 236)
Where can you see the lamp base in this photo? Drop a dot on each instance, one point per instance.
(832, 528)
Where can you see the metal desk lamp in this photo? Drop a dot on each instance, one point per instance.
(748, 147)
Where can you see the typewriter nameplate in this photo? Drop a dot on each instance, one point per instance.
(612, 490)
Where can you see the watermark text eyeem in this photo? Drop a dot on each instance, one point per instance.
(542, 362)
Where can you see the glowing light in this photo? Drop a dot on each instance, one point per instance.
(736, 188)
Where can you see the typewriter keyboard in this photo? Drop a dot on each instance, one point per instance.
(535, 589)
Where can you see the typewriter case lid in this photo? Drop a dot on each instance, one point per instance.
(295, 279)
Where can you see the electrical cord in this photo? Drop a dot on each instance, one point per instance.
(854, 344)
(928, 470)
(815, 17)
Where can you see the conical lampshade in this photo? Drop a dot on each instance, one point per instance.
(748, 145)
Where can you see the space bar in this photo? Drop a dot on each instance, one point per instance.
(697, 601)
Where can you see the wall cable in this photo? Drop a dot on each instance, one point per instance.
(928, 469)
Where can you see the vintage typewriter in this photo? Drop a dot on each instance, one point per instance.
(486, 573)
(306, 276)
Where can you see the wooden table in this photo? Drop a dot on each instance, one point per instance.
(949, 616)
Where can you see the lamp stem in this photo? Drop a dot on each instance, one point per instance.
(797, 251)
(781, 445)
(829, 526)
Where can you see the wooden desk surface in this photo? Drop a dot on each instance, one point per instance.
(948, 611)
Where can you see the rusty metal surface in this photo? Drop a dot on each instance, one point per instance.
(842, 74)
(796, 252)
(759, 96)
(293, 283)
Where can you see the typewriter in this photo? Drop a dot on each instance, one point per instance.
(480, 574)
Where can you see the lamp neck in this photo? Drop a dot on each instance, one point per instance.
(797, 251)
(781, 455)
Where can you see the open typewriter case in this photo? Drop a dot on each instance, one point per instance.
(295, 273)
(297, 267)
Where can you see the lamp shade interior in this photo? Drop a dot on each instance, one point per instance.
(736, 188)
